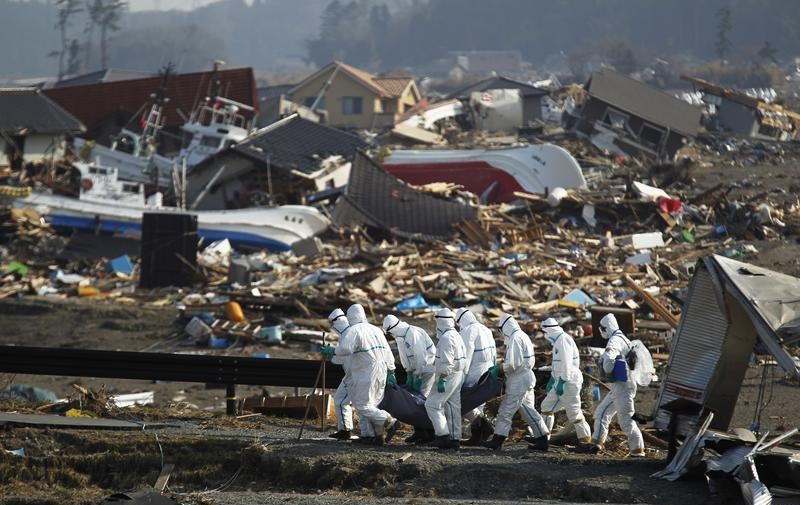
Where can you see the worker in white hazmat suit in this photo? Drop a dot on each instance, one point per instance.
(444, 403)
(520, 381)
(371, 365)
(481, 356)
(342, 399)
(619, 400)
(566, 380)
(417, 353)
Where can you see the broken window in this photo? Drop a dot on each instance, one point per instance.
(351, 105)
(651, 135)
(615, 119)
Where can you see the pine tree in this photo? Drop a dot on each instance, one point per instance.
(724, 26)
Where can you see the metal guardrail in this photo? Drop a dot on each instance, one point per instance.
(228, 370)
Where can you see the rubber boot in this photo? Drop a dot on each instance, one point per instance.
(442, 442)
(414, 436)
(341, 435)
(540, 444)
(495, 443)
(390, 431)
(365, 440)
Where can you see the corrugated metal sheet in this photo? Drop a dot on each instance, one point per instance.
(696, 347)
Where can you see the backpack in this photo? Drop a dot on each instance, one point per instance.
(640, 362)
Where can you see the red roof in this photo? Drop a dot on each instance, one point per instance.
(93, 103)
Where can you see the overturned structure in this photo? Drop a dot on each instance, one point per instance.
(733, 309)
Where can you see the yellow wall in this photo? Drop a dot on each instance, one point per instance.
(343, 85)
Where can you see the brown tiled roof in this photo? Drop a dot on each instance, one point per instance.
(94, 103)
(394, 86)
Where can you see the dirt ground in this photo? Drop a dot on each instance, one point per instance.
(209, 448)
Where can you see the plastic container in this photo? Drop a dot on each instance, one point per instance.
(272, 334)
(596, 393)
(233, 311)
(218, 343)
(197, 328)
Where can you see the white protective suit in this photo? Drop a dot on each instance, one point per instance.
(341, 399)
(566, 367)
(481, 355)
(370, 360)
(619, 400)
(416, 349)
(520, 381)
(444, 409)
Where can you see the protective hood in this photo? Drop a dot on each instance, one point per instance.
(338, 321)
(465, 318)
(551, 329)
(394, 326)
(445, 320)
(356, 314)
(508, 325)
(608, 325)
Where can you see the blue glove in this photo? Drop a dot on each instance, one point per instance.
(560, 387)
(550, 384)
(327, 351)
(495, 370)
(391, 380)
(441, 385)
(410, 380)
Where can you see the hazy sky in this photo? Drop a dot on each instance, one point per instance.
(141, 5)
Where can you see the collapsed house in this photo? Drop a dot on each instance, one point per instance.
(738, 113)
(280, 163)
(624, 115)
(732, 310)
(32, 127)
(377, 200)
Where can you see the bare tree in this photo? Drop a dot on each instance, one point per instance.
(109, 16)
(66, 9)
(95, 10)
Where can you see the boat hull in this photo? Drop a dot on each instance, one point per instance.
(275, 229)
(493, 174)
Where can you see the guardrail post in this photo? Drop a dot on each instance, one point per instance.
(230, 400)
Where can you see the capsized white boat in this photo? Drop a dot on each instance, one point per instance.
(110, 205)
(493, 174)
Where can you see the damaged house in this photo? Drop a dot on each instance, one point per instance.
(378, 200)
(741, 114)
(627, 116)
(280, 163)
(354, 98)
(500, 103)
(32, 127)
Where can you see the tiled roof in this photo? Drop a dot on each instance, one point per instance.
(644, 101)
(375, 198)
(28, 109)
(94, 103)
(394, 86)
(387, 85)
(298, 144)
